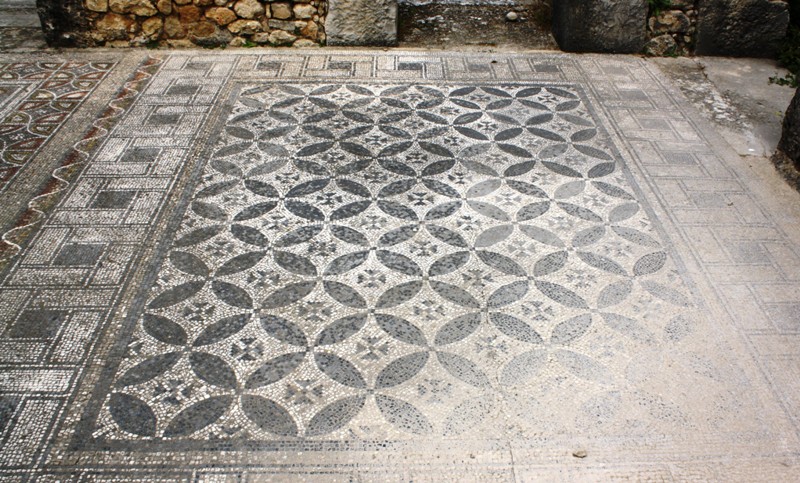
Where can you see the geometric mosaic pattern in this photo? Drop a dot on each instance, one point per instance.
(369, 265)
(52, 166)
(393, 249)
(52, 90)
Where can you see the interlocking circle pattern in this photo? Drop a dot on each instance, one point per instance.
(416, 255)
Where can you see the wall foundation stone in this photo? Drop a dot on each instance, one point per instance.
(612, 26)
(362, 22)
(741, 28)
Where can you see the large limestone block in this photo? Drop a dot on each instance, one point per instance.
(614, 26)
(362, 22)
(790, 141)
(741, 28)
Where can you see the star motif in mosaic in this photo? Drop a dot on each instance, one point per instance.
(423, 254)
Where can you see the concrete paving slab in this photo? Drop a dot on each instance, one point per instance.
(18, 14)
(737, 96)
(347, 264)
(13, 18)
(22, 39)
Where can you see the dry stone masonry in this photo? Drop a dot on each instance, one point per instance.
(207, 23)
(672, 31)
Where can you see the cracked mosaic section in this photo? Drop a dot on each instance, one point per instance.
(373, 262)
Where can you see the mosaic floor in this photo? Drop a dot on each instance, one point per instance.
(339, 266)
(35, 100)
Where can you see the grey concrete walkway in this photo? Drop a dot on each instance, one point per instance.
(20, 28)
(355, 265)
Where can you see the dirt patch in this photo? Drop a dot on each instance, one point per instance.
(787, 169)
(453, 24)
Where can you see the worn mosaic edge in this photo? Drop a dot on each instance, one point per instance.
(14, 239)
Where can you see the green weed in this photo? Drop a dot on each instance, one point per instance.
(789, 51)
(657, 6)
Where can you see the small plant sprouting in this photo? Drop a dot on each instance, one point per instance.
(657, 6)
(789, 57)
(790, 80)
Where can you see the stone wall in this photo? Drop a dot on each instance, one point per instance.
(207, 23)
(747, 28)
(707, 27)
(672, 30)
